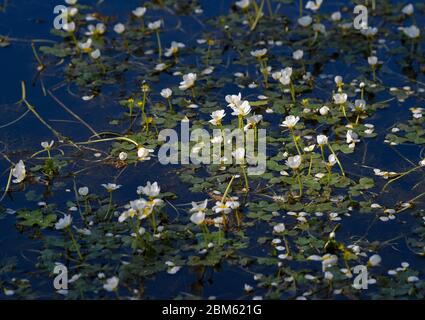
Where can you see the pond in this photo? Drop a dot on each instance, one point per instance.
(268, 149)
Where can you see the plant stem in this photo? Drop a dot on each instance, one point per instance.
(295, 141)
(323, 153)
(158, 38)
(301, 8)
(226, 192)
(337, 159)
(76, 246)
(245, 177)
(291, 85)
(344, 112)
(311, 164)
(109, 205)
(170, 105)
(257, 18)
(153, 220)
(300, 184)
(400, 176)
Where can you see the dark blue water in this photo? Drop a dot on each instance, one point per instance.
(24, 20)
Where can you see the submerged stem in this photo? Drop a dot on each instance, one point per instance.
(158, 38)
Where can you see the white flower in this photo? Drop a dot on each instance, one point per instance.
(175, 46)
(277, 75)
(160, 67)
(339, 81)
(408, 9)
(305, 21)
(19, 172)
(329, 275)
(259, 53)
(314, 5)
(328, 260)
(332, 160)
(360, 105)
(218, 221)
(336, 16)
(298, 54)
(242, 110)
(198, 217)
(188, 81)
(286, 74)
(233, 203)
(119, 28)
(351, 137)
(324, 110)
(166, 93)
(314, 258)
(144, 154)
(217, 116)
(95, 54)
(64, 222)
(83, 191)
(110, 187)
(139, 12)
(294, 162)
(248, 288)
(69, 27)
(243, 4)
(309, 148)
(137, 208)
(140, 208)
(150, 190)
(154, 25)
(412, 279)
(322, 140)
(99, 29)
(373, 61)
(422, 162)
(46, 145)
(222, 207)
(172, 268)
(279, 228)
(412, 31)
(86, 46)
(239, 155)
(340, 98)
(71, 2)
(111, 284)
(374, 260)
(207, 71)
(369, 32)
(202, 206)
(253, 121)
(319, 28)
(290, 122)
(234, 100)
(123, 156)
